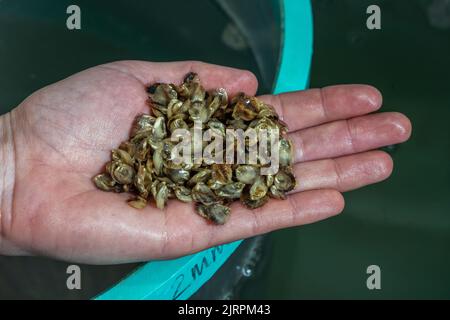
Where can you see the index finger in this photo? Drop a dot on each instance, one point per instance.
(303, 109)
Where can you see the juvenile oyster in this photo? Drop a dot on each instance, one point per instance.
(145, 165)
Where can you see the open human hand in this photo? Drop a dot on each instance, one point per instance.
(54, 141)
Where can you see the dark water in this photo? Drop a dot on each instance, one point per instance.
(34, 36)
(402, 225)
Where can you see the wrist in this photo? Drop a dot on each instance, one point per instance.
(7, 177)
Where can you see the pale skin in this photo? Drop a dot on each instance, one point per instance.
(55, 141)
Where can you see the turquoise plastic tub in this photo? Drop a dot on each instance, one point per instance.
(182, 277)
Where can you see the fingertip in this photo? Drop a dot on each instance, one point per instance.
(364, 97)
(385, 165)
(371, 96)
(374, 166)
(336, 202)
(330, 203)
(316, 205)
(344, 101)
(402, 126)
(249, 81)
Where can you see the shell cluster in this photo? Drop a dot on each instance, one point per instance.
(144, 165)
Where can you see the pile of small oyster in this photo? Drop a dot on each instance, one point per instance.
(144, 165)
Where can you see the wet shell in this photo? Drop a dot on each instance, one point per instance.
(198, 112)
(177, 123)
(142, 150)
(258, 189)
(201, 176)
(159, 130)
(245, 108)
(222, 173)
(174, 108)
(129, 147)
(161, 94)
(158, 161)
(179, 176)
(247, 173)
(142, 180)
(122, 173)
(202, 193)
(138, 203)
(237, 124)
(284, 181)
(147, 164)
(104, 182)
(143, 123)
(217, 213)
(162, 195)
(122, 155)
(277, 194)
(269, 180)
(197, 93)
(217, 127)
(183, 193)
(231, 191)
(253, 204)
(286, 153)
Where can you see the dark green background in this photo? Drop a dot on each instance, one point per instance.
(402, 225)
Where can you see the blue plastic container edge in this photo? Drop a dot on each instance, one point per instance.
(295, 64)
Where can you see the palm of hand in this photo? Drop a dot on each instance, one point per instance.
(63, 135)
